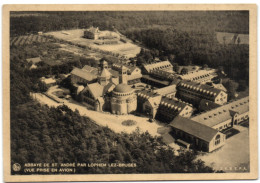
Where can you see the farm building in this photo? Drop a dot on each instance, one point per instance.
(196, 135)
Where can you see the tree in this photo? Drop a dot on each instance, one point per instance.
(205, 66)
(231, 87)
(184, 71)
(175, 67)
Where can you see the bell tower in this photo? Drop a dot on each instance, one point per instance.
(123, 75)
(103, 65)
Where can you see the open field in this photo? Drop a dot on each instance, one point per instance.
(29, 39)
(232, 38)
(75, 36)
(233, 156)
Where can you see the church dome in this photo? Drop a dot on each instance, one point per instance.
(123, 88)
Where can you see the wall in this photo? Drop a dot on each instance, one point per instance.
(212, 145)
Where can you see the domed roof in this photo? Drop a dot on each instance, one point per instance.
(123, 88)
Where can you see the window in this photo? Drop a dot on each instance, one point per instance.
(217, 140)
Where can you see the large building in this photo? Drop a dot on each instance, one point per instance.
(163, 65)
(82, 76)
(101, 37)
(106, 95)
(199, 136)
(194, 92)
(225, 116)
(200, 76)
(163, 74)
(123, 100)
(161, 107)
(89, 74)
(92, 33)
(134, 73)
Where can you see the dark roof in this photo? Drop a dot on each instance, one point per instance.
(170, 102)
(193, 128)
(190, 85)
(206, 105)
(147, 93)
(166, 83)
(114, 72)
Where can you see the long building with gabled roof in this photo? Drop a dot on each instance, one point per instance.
(163, 65)
(194, 92)
(199, 136)
(225, 116)
(161, 107)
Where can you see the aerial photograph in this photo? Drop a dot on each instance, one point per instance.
(129, 92)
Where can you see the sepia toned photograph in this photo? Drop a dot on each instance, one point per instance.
(116, 92)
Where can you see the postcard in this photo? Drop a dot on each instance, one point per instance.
(129, 92)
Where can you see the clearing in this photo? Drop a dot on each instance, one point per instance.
(127, 49)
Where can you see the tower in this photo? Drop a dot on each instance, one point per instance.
(123, 75)
(103, 64)
(104, 77)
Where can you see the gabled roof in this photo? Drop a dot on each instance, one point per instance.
(198, 74)
(34, 60)
(193, 128)
(173, 103)
(114, 72)
(96, 89)
(199, 88)
(157, 65)
(166, 90)
(93, 29)
(223, 113)
(206, 105)
(83, 74)
(155, 101)
(90, 69)
(105, 73)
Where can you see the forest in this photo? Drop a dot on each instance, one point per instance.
(40, 134)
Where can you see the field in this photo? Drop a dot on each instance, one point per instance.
(232, 38)
(75, 36)
(28, 39)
